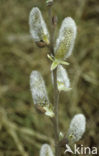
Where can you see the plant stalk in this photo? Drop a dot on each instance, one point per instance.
(56, 92)
(56, 122)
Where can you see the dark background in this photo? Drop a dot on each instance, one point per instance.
(22, 129)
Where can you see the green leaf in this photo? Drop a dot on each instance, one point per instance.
(64, 62)
(54, 65)
(50, 57)
(56, 62)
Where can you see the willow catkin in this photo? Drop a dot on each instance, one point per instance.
(63, 81)
(39, 94)
(77, 128)
(65, 41)
(38, 89)
(38, 27)
(46, 150)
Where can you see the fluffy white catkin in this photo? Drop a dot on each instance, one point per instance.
(38, 89)
(62, 79)
(77, 127)
(66, 39)
(49, 1)
(46, 150)
(38, 27)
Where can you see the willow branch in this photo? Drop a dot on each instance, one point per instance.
(56, 93)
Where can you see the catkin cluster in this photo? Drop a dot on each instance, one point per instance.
(62, 50)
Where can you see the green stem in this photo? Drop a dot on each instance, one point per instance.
(52, 30)
(56, 122)
(56, 92)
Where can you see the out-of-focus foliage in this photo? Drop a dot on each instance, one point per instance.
(22, 129)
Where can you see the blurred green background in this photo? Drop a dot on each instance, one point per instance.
(22, 129)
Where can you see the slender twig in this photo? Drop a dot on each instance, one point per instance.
(56, 123)
(56, 93)
(52, 30)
